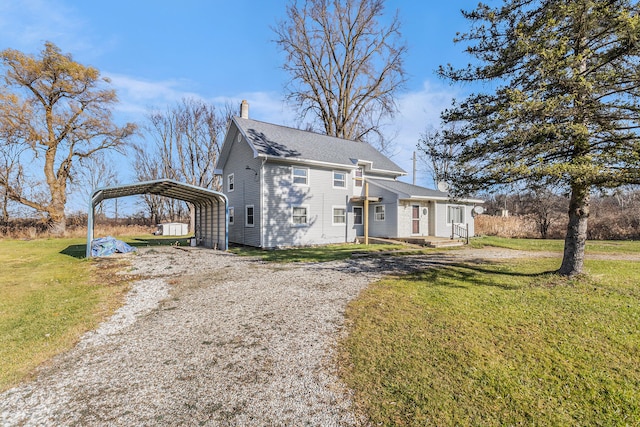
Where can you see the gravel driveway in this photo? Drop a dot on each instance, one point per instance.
(208, 338)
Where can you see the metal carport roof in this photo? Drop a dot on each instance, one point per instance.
(212, 215)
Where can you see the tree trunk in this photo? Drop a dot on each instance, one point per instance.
(57, 218)
(57, 224)
(5, 207)
(576, 238)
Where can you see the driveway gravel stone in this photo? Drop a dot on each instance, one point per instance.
(210, 338)
(207, 338)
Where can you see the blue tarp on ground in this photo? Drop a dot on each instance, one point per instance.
(105, 246)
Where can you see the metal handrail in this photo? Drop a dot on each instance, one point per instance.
(460, 231)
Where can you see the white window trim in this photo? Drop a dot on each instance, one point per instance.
(306, 224)
(246, 215)
(232, 214)
(358, 179)
(293, 176)
(375, 214)
(464, 213)
(353, 210)
(333, 208)
(230, 180)
(333, 179)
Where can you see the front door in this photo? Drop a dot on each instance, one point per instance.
(415, 219)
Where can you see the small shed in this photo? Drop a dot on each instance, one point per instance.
(211, 208)
(172, 229)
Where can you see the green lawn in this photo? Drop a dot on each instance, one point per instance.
(48, 299)
(498, 344)
(593, 246)
(493, 344)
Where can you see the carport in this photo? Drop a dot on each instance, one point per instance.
(211, 213)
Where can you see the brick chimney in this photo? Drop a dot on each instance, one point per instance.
(244, 109)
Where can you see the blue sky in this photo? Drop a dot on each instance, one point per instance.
(157, 52)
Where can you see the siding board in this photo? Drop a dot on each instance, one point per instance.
(246, 192)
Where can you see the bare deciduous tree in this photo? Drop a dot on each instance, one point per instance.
(147, 168)
(345, 67)
(59, 110)
(95, 172)
(438, 152)
(545, 207)
(187, 138)
(183, 144)
(10, 169)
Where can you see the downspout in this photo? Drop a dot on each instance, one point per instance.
(244, 207)
(346, 219)
(263, 208)
(366, 213)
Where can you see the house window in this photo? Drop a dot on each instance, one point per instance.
(249, 219)
(339, 179)
(455, 214)
(232, 214)
(359, 177)
(301, 176)
(379, 212)
(339, 216)
(299, 215)
(357, 215)
(230, 183)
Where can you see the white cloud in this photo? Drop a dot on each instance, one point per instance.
(137, 96)
(419, 110)
(27, 24)
(264, 106)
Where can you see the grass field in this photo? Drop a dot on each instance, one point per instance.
(494, 344)
(498, 344)
(593, 246)
(49, 297)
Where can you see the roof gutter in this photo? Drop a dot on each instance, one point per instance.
(320, 163)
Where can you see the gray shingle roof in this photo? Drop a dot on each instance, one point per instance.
(277, 141)
(408, 190)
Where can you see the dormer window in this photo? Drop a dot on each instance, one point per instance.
(359, 177)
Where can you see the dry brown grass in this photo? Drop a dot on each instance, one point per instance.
(510, 226)
(36, 230)
(112, 230)
(608, 226)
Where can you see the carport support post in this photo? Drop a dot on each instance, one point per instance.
(90, 228)
(366, 213)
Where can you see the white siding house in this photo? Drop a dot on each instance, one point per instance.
(288, 187)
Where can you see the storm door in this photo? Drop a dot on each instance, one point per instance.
(415, 219)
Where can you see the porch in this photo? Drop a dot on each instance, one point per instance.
(431, 241)
(422, 241)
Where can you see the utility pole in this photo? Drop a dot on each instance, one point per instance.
(414, 168)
